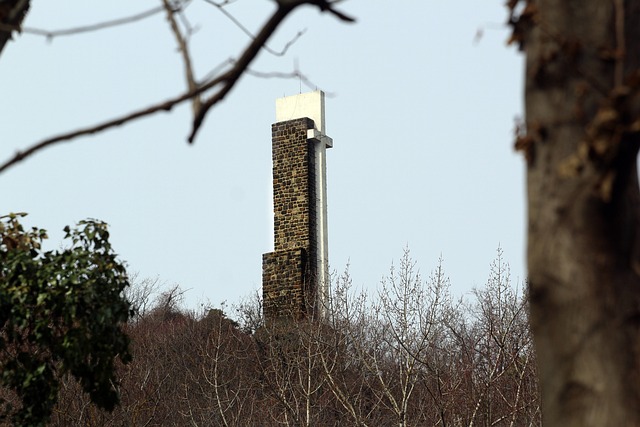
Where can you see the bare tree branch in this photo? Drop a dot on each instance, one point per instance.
(50, 34)
(231, 77)
(186, 57)
(118, 121)
(285, 7)
(11, 15)
(327, 6)
(221, 8)
(296, 73)
(226, 81)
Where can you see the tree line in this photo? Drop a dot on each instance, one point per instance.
(409, 354)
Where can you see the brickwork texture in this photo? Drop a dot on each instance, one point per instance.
(288, 273)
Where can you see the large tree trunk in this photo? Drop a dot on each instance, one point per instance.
(582, 86)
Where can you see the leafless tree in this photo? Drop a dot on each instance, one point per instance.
(503, 365)
(409, 319)
(396, 342)
(407, 355)
(162, 346)
(345, 318)
(142, 294)
(289, 359)
(221, 387)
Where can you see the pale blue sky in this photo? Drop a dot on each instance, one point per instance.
(422, 120)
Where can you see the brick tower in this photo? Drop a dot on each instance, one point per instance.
(295, 274)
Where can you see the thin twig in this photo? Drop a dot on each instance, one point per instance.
(285, 7)
(327, 6)
(189, 30)
(118, 121)
(283, 75)
(226, 80)
(237, 23)
(184, 50)
(50, 34)
(231, 77)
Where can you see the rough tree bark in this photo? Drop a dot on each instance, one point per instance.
(581, 144)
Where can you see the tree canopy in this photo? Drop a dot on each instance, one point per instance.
(61, 312)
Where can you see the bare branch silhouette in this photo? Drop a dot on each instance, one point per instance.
(118, 121)
(11, 15)
(50, 34)
(223, 82)
(285, 7)
(221, 8)
(186, 57)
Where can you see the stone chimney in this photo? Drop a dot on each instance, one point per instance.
(295, 275)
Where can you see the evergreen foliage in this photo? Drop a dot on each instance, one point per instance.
(61, 313)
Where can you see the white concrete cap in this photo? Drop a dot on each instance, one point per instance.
(309, 105)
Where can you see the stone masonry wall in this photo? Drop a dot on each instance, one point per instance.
(288, 273)
(283, 283)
